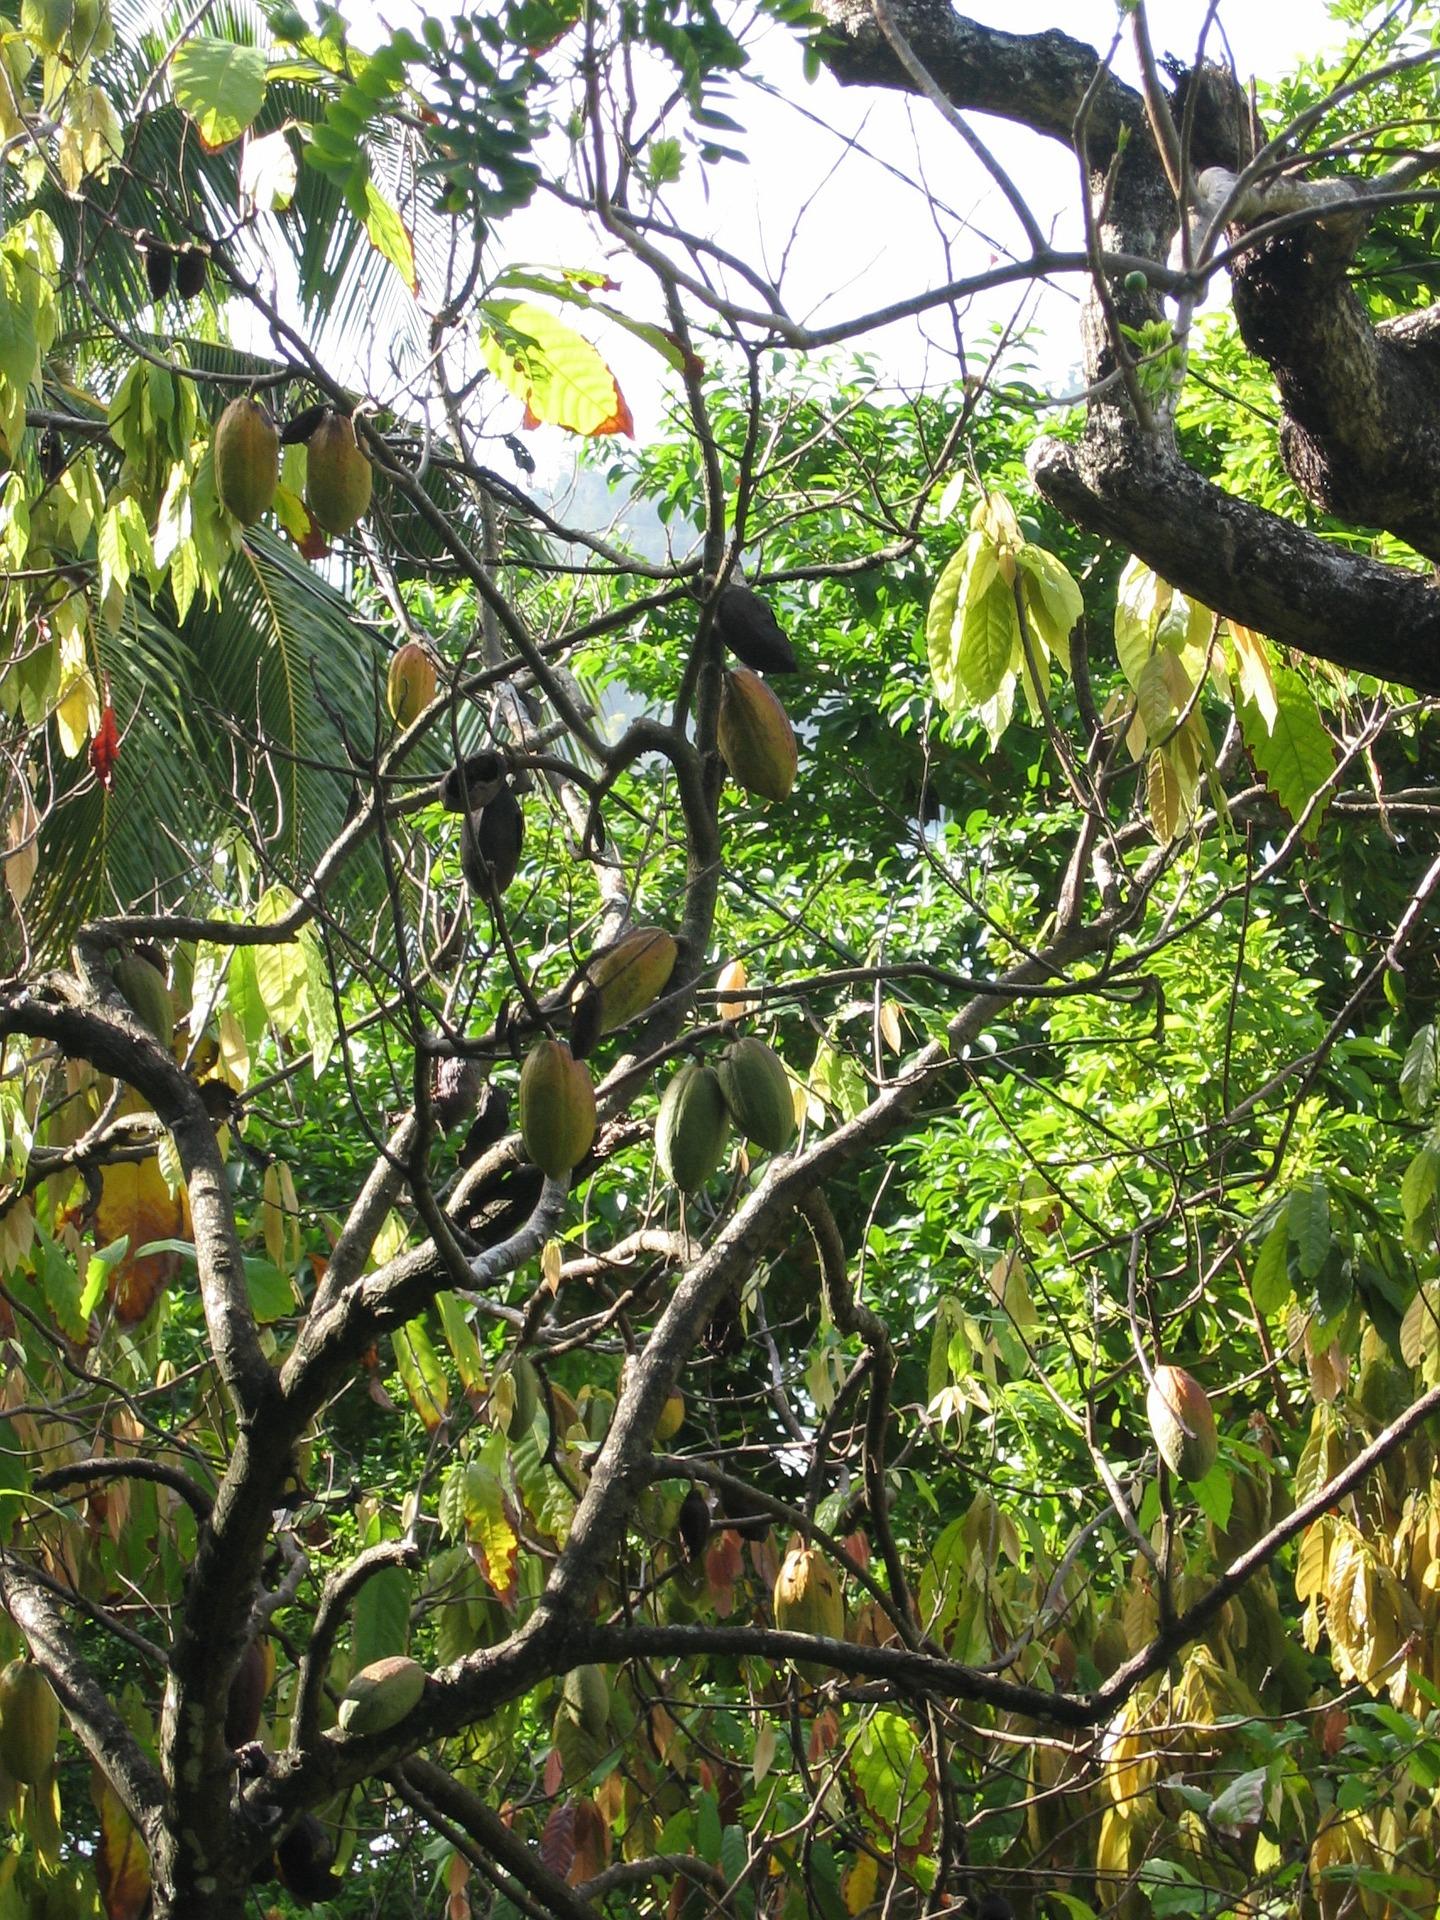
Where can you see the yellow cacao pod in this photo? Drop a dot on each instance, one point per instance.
(631, 974)
(1182, 1422)
(29, 1722)
(586, 1693)
(757, 742)
(410, 683)
(757, 1092)
(692, 1128)
(807, 1600)
(247, 460)
(732, 977)
(557, 1108)
(338, 479)
(380, 1695)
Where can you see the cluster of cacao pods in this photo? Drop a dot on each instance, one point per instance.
(747, 1088)
(338, 476)
(185, 267)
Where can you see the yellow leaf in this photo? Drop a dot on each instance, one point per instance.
(554, 371)
(859, 1883)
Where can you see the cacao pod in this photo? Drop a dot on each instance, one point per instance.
(586, 1693)
(159, 266)
(672, 1418)
(757, 1092)
(756, 740)
(731, 978)
(304, 1859)
(473, 785)
(527, 1395)
(410, 683)
(631, 974)
(693, 1523)
(338, 479)
(144, 991)
(586, 1013)
(192, 264)
(1182, 1422)
(29, 1722)
(490, 844)
(692, 1128)
(380, 1695)
(747, 625)
(807, 1600)
(1110, 1646)
(247, 460)
(557, 1108)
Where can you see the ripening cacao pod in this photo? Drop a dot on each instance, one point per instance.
(586, 1693)
(756, 740)
(380, 1695)
(631, 974)
(692, 1127)
(672, 1417)
(557, 1108)
(731, 978)
(247, 460)
(1182, 1422)
(757, 1092)
(29, 1722)
(144, 991)
(807, 1600)
(410, 683)
(338, 479)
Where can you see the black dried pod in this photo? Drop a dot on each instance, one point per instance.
(519, 452)
(749, 1525)
(52, 456)
(747, 625)
(490, 849)
(490, 1124)
(300, 426)
(159, 268)
(586, 1015)
(303, 1859)
(454, 1088)
(192, 264)
(693, 1523)
(467, 788)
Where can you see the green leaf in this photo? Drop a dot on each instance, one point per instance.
(560, 377)
(989, 642)
(424, 1378)
(220, 85)
(1297, 756)
(1420, 1072)
(1052, 598)
(1270, 1279)
(381, 1621)
(388, 234)
(1417, 1189)
(1309, 1219)
(1215, 1494)
(271, 1291)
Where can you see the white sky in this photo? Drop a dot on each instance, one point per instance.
(844, 234)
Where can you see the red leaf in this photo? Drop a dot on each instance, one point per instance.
(105, 747)
(620, 421)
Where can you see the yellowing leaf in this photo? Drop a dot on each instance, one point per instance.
(555, 371)
(22, 861)
(220, 85)
(861, 1879)
(390, 237)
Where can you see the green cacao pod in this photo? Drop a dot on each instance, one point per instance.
(144, 991)
(247, 460)
(631, 974)
(410, 684)
(380, 1695)
(807, 1600)
(757, 742)
(338, 478)
(586, 1693)
(557, 1108)
(29, 1722)
(757, 1092)
(692, 1128)
(1182, 1422)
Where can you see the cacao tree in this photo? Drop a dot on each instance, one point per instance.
(731, 1205)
